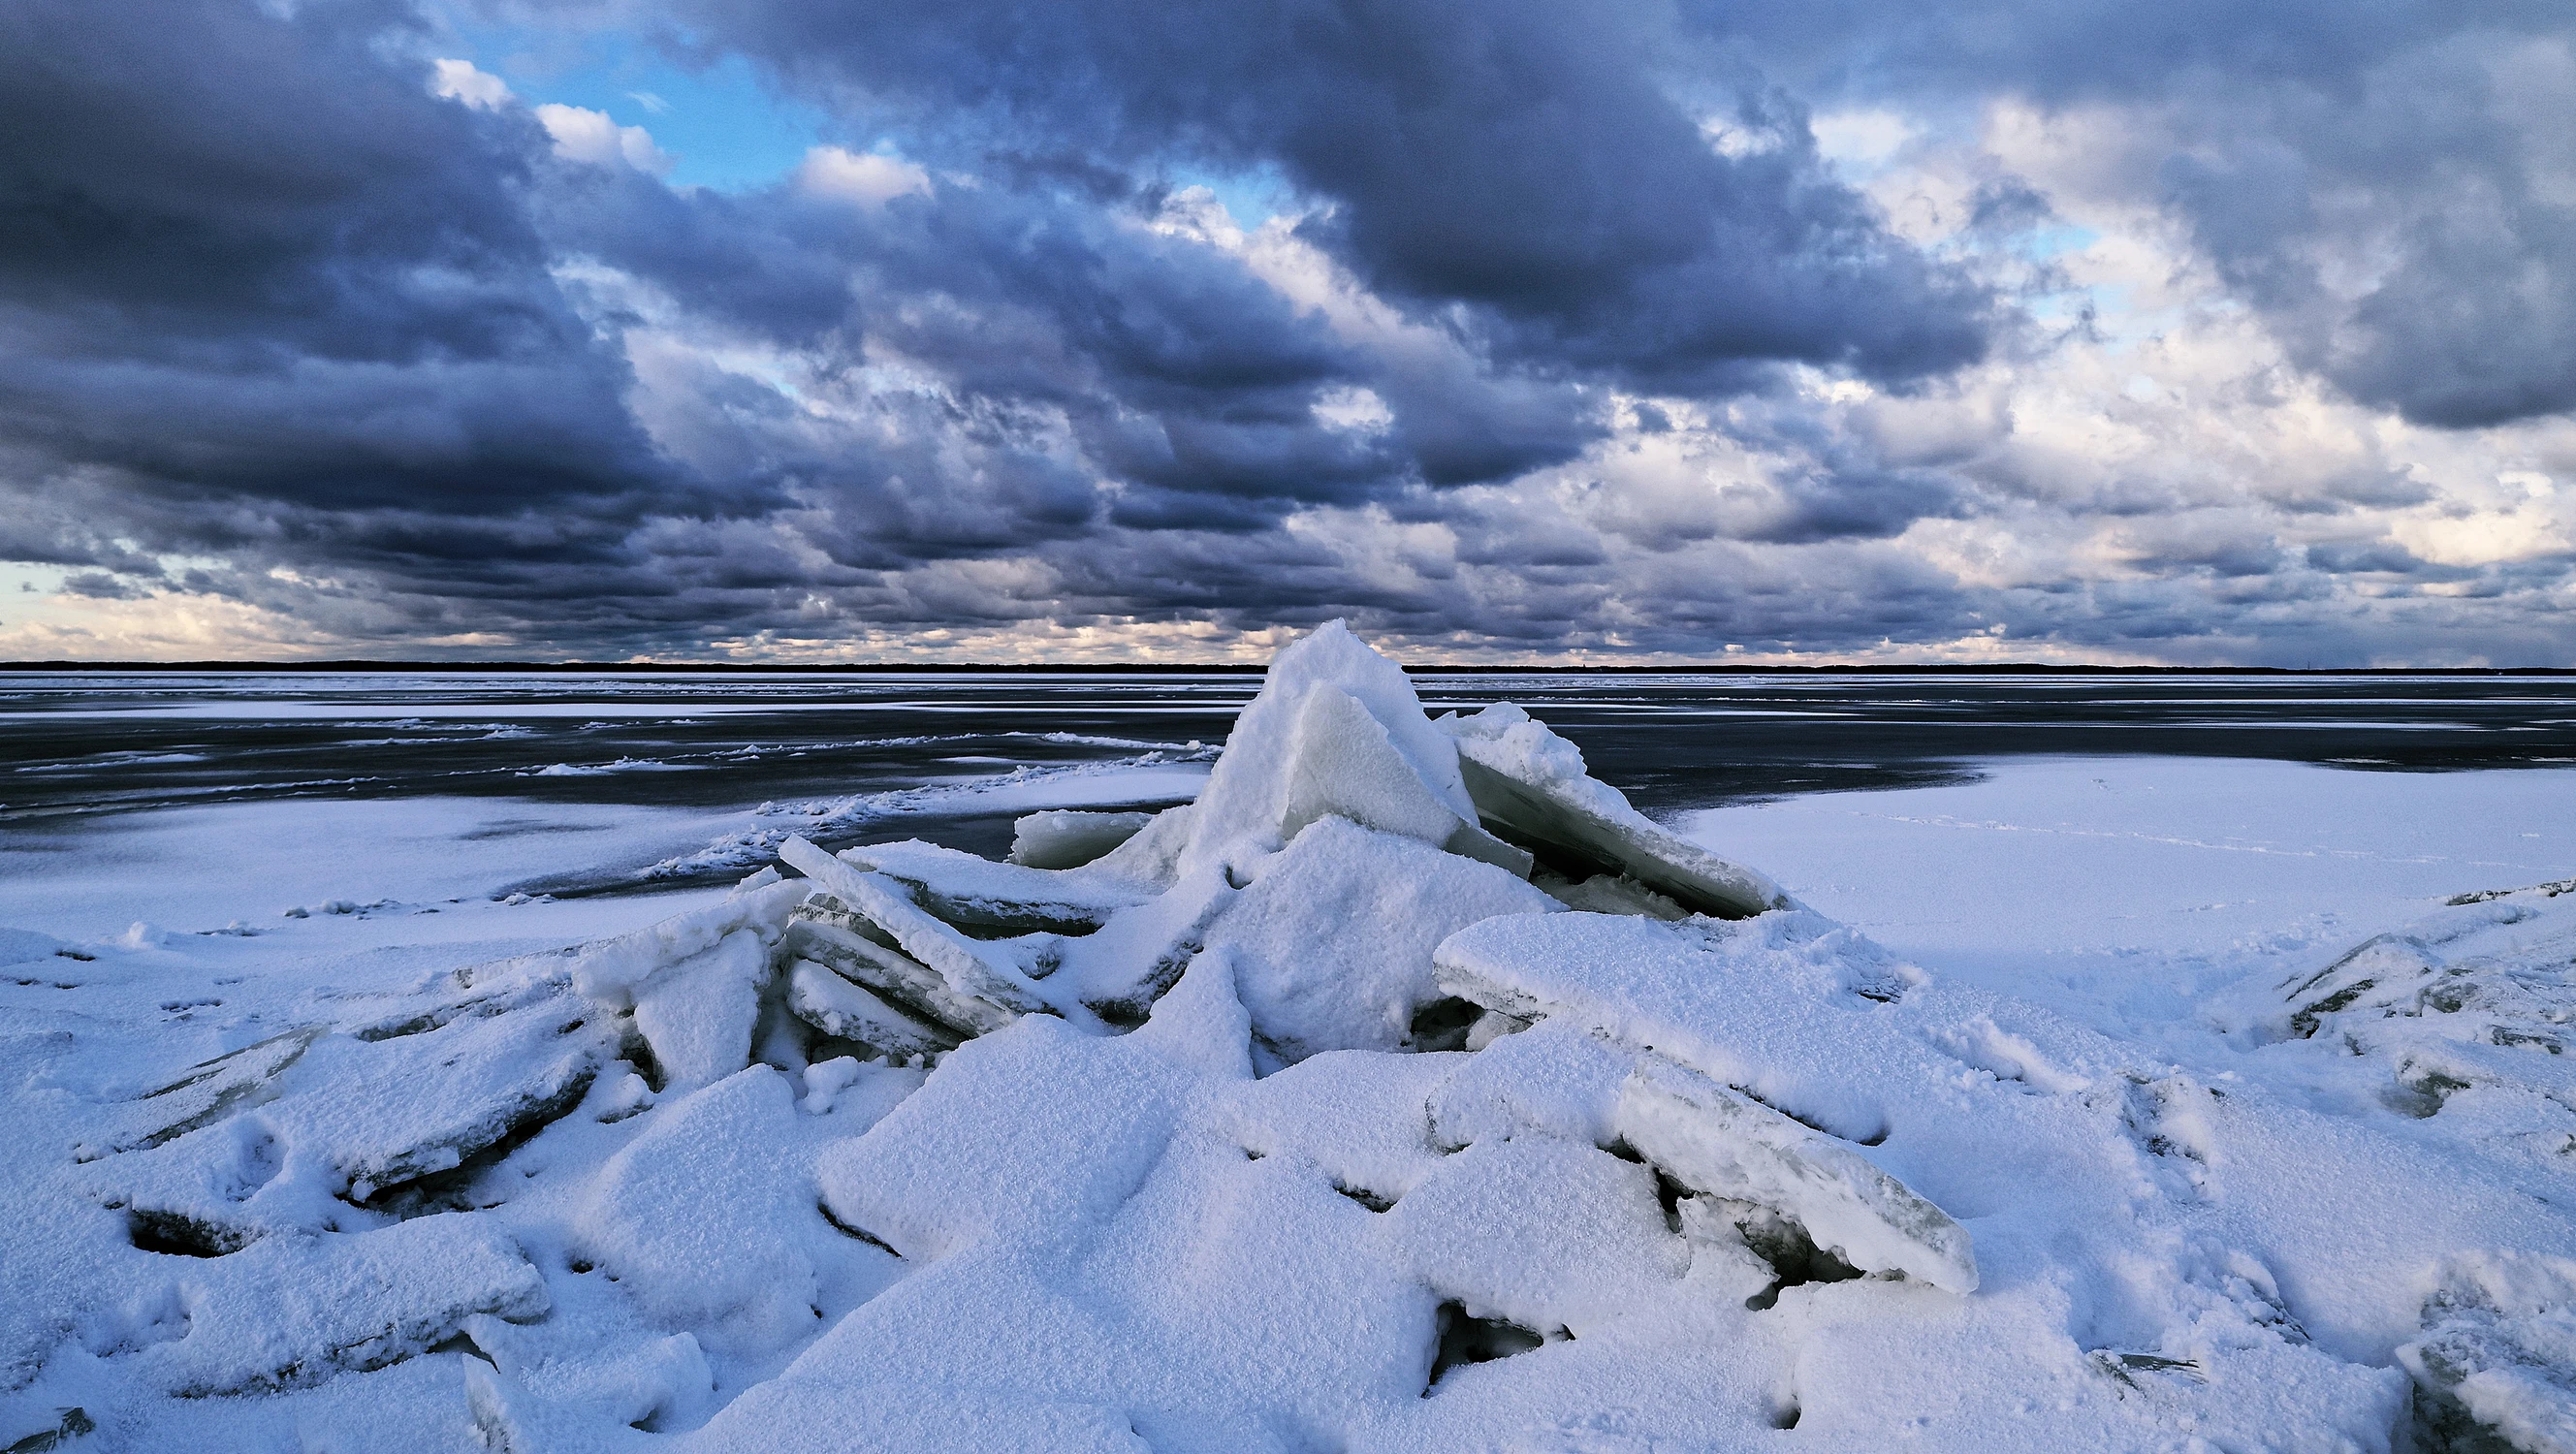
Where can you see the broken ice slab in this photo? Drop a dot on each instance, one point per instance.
(1542, 1232)
(1124, 968)
(906, 981)
(1069, 838)
(209, 1090)
(1555, 1078)
(2510, 989)
(1333, 943)
(1530, 784)
(295, 1309)
(1561, 1080)
(964, 964)
(1714, 1140)
(1607, 893)
(353, 1118)
(847, 1011)
(987, 898)
(611, 970)
(1735, 1058)
(1346, 764)
(698, 1014)
(1151, 858)
(1784, 1007)
(2390, 968)
(2476, 998)
(408, 1107)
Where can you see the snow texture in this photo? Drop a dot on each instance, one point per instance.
(1407, 1091)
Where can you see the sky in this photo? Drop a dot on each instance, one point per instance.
(1651, 331)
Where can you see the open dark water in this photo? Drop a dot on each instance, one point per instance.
(91, 743)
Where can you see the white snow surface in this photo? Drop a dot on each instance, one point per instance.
(2121, 1105)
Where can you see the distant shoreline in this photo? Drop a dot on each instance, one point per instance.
(664, 668)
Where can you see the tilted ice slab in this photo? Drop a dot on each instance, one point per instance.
(1531, 783)
(1692, 1048)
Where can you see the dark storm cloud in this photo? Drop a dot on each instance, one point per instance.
(242, 256)
(1181, 375)
(2415, 177)
(2389, 180)
(389, 365)
(1521, 160)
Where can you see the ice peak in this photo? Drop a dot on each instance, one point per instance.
(1336, 729)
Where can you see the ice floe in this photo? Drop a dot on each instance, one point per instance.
(1408, 1090)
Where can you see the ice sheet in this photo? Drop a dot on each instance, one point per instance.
(2125, 890)
(2096, 1106)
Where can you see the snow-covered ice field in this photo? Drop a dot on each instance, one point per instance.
(1388, 1098)
(2127, 891)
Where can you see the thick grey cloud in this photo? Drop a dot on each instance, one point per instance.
(1576, 338)
(243, 257)
(1532, 164)
(2393, 181)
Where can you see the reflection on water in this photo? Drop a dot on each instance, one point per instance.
(83, 743)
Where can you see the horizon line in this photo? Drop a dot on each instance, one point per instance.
(1251, 668)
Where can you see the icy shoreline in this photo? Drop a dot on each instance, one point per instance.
(1447, 1125)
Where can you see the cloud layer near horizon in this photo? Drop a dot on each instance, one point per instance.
(2000, 331)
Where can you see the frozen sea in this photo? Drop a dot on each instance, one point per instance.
(2264, 800)
(194, 859)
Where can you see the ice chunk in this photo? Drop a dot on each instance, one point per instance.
(2389, 969)
(1548, 1234)
(837, 1007)
(1557, 1077)
(812, 1414)
(1356, 1115)
(211, 1089)
(1202, 1024)
(977, 893)
(698, 1014)
(295, 1309)
(1345, 763)
(1333, 943)
(1031, 1133)
(385, 1112)
(1153, 856)
(902, 980)
(1774, 1006)
(1531, 784)
(610, 971)
(1070, 838)
(968, 969)
(1563, 1080)
(699, 1217)
(358, 1114)
(1714, 1140)
(23, 946)
(598, 1383)
(1141, 952)
(2466, 1010)
(1709, 1031)
(1336, 728)
(2444, 965)
(1607, 893)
